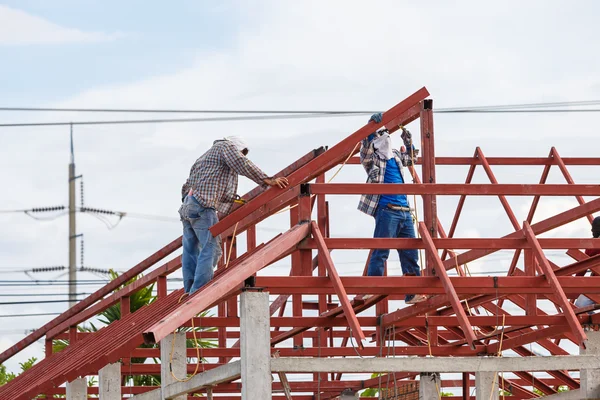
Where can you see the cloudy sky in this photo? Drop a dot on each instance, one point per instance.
(268, 55)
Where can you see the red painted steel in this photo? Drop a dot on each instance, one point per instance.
(229, 280)
(465, 316)
(454, 189)
(558, 290)
(339, 287)
(82, 305)
(328, 159)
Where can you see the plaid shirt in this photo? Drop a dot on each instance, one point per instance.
(375, 168)
(214, 176)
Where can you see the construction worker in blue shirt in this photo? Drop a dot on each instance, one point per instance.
(393, 218)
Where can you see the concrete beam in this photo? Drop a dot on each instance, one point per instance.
(429, 386)
(590, 377)
(77, 390)
(568, 395)
(255, 346)
(486, 385)
(151, 395)
(173, 361)
(212, 377)
(434, 364)
(109, 383)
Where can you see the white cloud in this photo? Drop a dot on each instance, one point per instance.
(20, 28)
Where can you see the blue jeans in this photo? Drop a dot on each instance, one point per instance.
(394, 224)
(201, 251)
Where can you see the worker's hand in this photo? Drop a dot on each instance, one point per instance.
(376, 118)
(406, 137)
(279, 182)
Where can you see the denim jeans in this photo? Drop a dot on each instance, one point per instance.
(584, 301)
(394, 224)
(201, 251)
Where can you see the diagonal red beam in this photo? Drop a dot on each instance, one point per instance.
(558, 292)
(401, 114)
(88, 301)
(568, 177)
(459, 206)
(325, 318)
(337, 284)
(540, 227)
(494, 181)
(226, 282)
(532, 210)
(450, 292)
(97, 308)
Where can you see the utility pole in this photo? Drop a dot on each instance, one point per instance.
(72, 229)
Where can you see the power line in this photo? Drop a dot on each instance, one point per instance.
(280, 117)
(40, 294)
(175, 120)
(15, 303)
(27, 315)
(327, 112)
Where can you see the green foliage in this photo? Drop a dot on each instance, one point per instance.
(137, 300)
(371, 392)
(563, 389)
(446, 394)
(6, 376)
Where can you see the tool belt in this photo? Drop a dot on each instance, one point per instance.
(398, 208)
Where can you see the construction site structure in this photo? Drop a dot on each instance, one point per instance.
(473, 337)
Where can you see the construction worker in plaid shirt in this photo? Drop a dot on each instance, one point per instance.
(393, 218)
(211, 188)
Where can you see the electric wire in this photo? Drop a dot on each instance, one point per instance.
(217, 111)
(176, 120)
(27, 315)
(16, 303)
(282, 117)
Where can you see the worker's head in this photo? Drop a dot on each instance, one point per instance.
(381, 131)
(239, 144)
(596, 227)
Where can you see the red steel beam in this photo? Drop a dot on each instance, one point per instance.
(396, 285)
(326, 318)
(428, 153)
(228, 281)
(568, 177)
(454, 189)
(407, 110)
(494, 181)
(91, 299)
(339, 287)
(507, 161)
(506, 242)
(540, 227)
(459, 206)
(553, 281)
(448, 287)
(144, 281)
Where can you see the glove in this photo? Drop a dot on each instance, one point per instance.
(376, 118)
(406, 137)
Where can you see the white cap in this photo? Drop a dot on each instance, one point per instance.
(238, 142)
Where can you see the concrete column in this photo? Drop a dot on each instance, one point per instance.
(429, 386)
(486, 384)
(109, 383)
(178, 360)
(255, 346)
(77, 390)
(590, 378)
